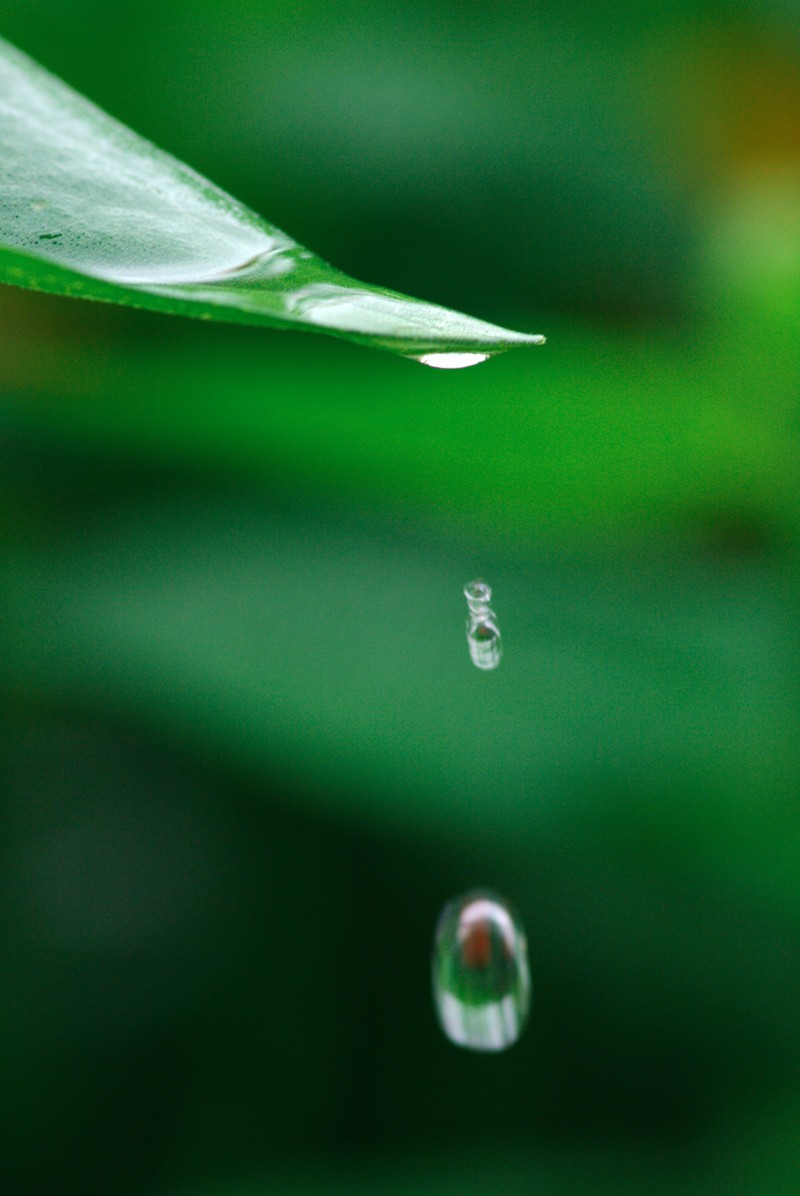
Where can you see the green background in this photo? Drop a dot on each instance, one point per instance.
(244, 758)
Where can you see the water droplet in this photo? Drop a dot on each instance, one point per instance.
(452, 361)
(481, 980)
(483, 636)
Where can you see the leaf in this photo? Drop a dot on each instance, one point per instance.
(90, 209)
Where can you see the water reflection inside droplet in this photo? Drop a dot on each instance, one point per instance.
(481, 980)
(483, 635)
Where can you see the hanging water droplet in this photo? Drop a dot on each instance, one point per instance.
(483, 636)
(452, 361)
(481, 981)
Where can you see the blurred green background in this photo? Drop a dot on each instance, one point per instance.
(244, 758)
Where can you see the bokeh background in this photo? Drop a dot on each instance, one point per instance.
(244, 757)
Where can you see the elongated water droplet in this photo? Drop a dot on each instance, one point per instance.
(452, 361)
(483, 636)
(481, 980)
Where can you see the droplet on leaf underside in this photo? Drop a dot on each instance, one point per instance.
(452, 361)
(455, 360)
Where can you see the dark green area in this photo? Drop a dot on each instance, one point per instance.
(244, 757)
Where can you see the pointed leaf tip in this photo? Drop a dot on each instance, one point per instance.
(90, 209)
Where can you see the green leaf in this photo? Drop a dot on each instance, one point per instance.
(88, 208)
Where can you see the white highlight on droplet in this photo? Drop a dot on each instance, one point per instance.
(452, 361)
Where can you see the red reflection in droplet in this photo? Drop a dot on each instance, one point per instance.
(476, 946)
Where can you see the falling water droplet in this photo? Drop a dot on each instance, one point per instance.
(452, 361)
(481, 981)
(483, 636)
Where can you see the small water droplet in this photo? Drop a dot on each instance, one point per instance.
(481, 980)
(483, 635)
(452, 361)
